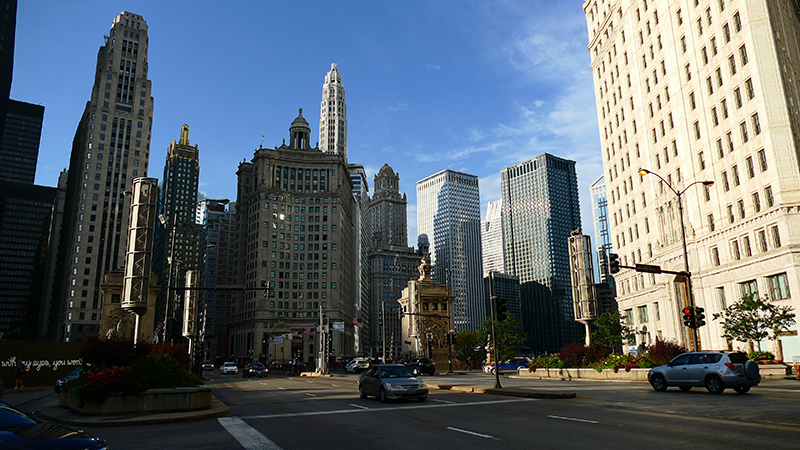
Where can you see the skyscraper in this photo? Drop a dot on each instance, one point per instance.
(449, 212)
(296, 221)
(362, 305)
(178, 209)
(540, 209)
(392, 262)
(492, 239)
(700, 91)
(111, 147)
(602, 238)
(333, 115)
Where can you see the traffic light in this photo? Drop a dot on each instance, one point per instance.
(500, 308)
(699, 316)
(265, 285)
(689, 319)
(613, 262)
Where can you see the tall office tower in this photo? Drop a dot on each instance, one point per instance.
(8, 29)
(700, 91)
(296, 224)
(176, 247)
(492, 239)
(606, 287)
(449, 212)
(216, 264)
(540, 209)
(362, 309)
(111, 147)
(602, 237)
(392, 262)
(333, 115)
(506, 289)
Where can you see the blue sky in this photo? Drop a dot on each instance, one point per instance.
(473, 86)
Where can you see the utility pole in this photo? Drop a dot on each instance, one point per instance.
(493, 299)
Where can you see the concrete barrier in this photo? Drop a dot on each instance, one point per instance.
(149, 401)
(586, 374)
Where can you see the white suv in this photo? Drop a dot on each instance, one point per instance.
(228, 368)
(714, 370)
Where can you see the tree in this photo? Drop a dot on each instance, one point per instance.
(755, 319)
(611, 330)
(509, 340)
(465, 345)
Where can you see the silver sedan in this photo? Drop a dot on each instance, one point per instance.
(391, 381)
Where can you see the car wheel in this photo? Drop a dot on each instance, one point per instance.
(742, 389)
(361, 392)
(714, 385)
(492, 370)
(685, 388)
(382, 395)
(658, 382)
(422, 399)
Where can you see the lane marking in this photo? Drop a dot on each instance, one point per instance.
(471, 432)
(281, 388)
(573, 419)
(395, 408)
(441, 401)
(248, 437)
(263, 383)
(310, 394)
(359, 406)
(309, 381)
(335, 385)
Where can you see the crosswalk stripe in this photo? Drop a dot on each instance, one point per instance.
(249, 437)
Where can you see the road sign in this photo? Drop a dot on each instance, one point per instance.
(647, 268)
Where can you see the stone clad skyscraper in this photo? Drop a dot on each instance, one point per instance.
(540, 209)
(449, 213)
(700, 91)
(111, 147)
(333, 115)
(492, 239)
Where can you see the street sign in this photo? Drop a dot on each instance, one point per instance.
(647, 268)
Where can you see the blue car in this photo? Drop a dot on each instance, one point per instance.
(510, 364)
(73, 375)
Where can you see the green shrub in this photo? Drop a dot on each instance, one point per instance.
(547, 362)
(761, 355)
(162, 371)
(97, 386)
(579, 355)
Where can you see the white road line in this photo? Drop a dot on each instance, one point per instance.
(309, 381)
(248, 436)
(281, 388)
(263, 383)
(359, 406)
(471, 432)
(573, 419)
(391, 408)
(335, 385)
(442, 401)
(310, 394)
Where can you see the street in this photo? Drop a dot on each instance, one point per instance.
(326, 413)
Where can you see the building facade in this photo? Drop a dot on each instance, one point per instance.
(700, 91)
(361, 333)
(392, 262)
(111, 147)
(540, 210)
(294, 226)
(449, 213)
(177, 239)
(492, 239)
(333, 115)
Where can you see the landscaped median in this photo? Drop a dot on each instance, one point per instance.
(509, 391)
(149, 401)
(586, 374)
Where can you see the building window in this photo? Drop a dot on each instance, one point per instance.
(776, 236)
(769, 197)
(642, 313)
(756, 202)
(721, 298)
(762, 160)
(749, 288)
(715, 256)
(761, 237)
(710, 219)
(779, 286)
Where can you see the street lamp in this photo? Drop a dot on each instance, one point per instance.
(687, 274)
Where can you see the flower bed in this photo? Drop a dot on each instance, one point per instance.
(149, 401)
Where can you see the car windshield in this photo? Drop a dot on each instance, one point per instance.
(395, 372)
(738, 358)
(229, 364)
(257, 366)
(10, 418)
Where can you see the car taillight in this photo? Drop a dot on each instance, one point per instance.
(730, 366)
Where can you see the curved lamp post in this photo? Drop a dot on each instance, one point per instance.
(687, 274)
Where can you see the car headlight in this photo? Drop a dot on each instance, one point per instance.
(394, 385)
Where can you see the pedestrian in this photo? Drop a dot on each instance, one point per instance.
(469, 362)
(18, 380)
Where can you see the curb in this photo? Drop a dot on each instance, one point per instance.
(509, 392)
(52, 412)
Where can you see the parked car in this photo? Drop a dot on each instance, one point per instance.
(20, 431)
(509, 364)
(421, 366)
(714, 370)
(72, 375)
(208, 365)
(357, 365)
(228, 368)
(254, 370)
(391, 381)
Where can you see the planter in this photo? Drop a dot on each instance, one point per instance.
(587, 374)
(149, 401)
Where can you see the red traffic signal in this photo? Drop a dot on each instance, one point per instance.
(689, 317)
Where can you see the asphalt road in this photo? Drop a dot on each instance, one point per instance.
(326, 413)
